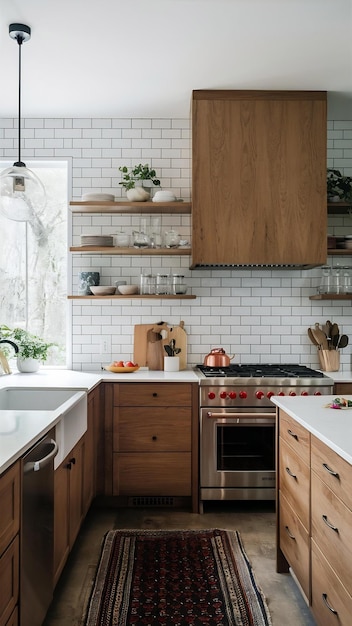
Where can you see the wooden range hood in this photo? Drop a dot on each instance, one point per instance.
(259, 179)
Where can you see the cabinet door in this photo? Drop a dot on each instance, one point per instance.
(259, 178)
(76, 490)
(61, 519)
(159, 474)
(10, 505)
(294, 543)
(331, 604)
(9, 581)
(294, 482)
(90, 450)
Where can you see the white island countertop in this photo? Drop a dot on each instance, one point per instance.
(332, 426)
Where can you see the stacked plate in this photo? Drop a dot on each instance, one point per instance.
(98, 197)
(164, 196)
(97, 240)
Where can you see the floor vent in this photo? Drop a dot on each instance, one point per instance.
(151, 501)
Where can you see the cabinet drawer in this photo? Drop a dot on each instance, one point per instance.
(294, 482)
(327, 591)
(152, 394)
(295, 435)
(160, 474)
(335, 544)
(9, 580)
(294, 543)
(332, 470)
(10, 505)
(152, 429)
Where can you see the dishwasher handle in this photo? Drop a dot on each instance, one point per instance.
(35, 466)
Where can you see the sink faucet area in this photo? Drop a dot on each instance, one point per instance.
(3, 359)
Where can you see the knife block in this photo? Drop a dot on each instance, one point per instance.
(329, 360)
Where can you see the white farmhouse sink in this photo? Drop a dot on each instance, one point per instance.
(68, 405)
(33, 399)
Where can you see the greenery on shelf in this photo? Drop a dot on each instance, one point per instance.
(29, 346)
(137, 173)
(339, 187)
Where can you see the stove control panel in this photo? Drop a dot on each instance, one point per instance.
(252, 396)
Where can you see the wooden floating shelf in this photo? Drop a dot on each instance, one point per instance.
(338, 208)
(131, 207)
(134, 297)
(132, 251)
(339, 252)
(331, 296)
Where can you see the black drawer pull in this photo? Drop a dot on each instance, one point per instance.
(154, 437)
(326, 521)
(290, 473)
(289, 533)
(292, 434)
(155, 395)
(325, 466)
(73, 460)
(325, 600)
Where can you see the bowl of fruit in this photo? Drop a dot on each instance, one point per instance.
(122, 367)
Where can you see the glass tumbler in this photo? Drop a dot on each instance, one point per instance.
(336, 281)
(325, 282)
(163, 284)
(346, 279)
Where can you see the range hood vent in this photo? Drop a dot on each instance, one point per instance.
(229, 266)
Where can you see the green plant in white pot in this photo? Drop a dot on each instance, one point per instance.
(138, 180)
(32, 350)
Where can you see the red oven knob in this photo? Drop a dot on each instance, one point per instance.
(211, 395)
(269, 394)
(292, 393)
(223, 394)
(259, 394)
(304, 393)
(232, 395)
(317, 393)
(281, 393)
(243, 395)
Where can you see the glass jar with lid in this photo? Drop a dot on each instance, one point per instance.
(346, 279)
(178, 285)
(163, 284)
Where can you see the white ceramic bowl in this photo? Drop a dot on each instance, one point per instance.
(101, 290)
(128, 290)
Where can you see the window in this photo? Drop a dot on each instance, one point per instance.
(33, 264)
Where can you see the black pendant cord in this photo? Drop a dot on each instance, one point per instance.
(19, 41)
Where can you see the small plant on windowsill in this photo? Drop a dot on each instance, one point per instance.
(339, 187)
(30, 347)
(135, 179)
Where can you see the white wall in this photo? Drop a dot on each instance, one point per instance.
(260, 315)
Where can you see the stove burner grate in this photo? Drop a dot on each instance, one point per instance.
(260, 371)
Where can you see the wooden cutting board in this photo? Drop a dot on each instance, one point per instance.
(140, 341)
(140, 347)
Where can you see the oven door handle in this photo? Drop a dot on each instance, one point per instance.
(241, 416)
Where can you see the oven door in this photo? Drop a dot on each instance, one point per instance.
(237, 454)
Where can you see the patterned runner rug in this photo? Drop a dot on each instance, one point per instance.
(175, 578)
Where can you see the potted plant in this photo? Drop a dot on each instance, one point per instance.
(32, 350)
(339, 187)
(135, 180)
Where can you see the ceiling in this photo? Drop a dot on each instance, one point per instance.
(143, 58)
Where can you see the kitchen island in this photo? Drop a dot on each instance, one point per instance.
(314, 502)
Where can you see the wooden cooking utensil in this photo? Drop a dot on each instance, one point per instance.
(312, 338)
(320, 338)
(342, 342)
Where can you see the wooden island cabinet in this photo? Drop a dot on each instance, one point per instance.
(10, 490)
(314, 521)
(151, 442)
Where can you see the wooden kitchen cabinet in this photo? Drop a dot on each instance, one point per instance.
(343, 389)
(152, 434)
(318, 550)
(68, 505)
(294, 498)
(10, 494)
(259, 178)
(331, 536)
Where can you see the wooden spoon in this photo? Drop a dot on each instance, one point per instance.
(320, 338)
(312, 338)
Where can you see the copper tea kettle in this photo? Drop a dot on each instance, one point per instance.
(217, 357)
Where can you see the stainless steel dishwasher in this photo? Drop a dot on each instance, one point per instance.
(37, 536)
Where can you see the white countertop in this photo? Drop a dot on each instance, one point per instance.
(19, 430)
(332, 426)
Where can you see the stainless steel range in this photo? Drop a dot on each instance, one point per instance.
(237, 425)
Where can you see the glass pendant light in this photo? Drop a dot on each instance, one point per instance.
(22, 193)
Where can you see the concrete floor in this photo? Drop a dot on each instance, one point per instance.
(254, 521)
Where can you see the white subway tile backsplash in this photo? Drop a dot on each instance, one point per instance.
(261, 315)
